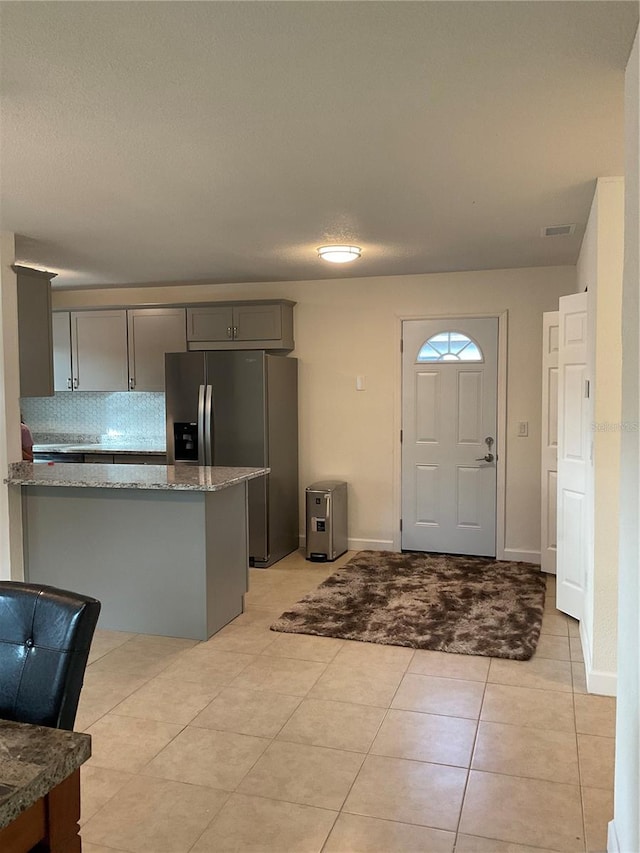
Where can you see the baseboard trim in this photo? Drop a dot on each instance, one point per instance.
(600, 682)
(613, 845)
(362, 544)
(371, 545)
(517, 555)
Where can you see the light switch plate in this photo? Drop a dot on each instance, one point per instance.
(523, 429)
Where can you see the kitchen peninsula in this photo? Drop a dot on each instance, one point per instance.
(163, 547)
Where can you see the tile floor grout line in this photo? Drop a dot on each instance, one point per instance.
(575, 722)
(471, 756)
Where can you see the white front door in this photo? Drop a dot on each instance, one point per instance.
(549, 483)
(449, 418)
(574, 448)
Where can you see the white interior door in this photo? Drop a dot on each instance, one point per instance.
(549, 466)
(449, 419)
(573, 454)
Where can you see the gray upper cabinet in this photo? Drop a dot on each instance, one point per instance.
(35, 337)
(241, 325)
(115, 350)
(152, 333)
(62, 373)
(99, 350)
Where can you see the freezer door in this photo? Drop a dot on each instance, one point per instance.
(239, 429)
(184, 376)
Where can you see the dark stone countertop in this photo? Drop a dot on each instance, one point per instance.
(33, 760)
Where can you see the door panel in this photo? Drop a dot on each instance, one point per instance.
(573, 454)
(448, 410)
(469, 503)
(550, 347)
(469, 408)
(426, 499)
(427, 422)
(573, 433)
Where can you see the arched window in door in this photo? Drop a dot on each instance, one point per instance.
(449, 346)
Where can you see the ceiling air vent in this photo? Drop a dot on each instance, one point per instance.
(558, 230)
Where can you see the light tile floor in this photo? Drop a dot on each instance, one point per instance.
(284, 743)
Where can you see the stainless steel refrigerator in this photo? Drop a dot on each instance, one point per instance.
(240, 408)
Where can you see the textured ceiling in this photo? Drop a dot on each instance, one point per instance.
(225, 141)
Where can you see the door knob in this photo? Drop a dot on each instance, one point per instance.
(488, 458)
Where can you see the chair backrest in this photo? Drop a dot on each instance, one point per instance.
(45, 636)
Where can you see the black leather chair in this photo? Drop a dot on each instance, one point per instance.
(45, 636)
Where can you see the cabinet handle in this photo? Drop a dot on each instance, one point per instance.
(132, 383)
(229, 331)
(235, 331)
(75, 382)
(69, 386)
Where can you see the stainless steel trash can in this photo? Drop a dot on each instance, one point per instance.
(326, 506)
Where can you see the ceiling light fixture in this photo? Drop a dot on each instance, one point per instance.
(339, 254)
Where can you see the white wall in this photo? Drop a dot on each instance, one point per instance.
(599, 270)
(624, 831)
(350, 327)
(10, 443)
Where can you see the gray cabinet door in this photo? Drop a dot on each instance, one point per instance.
(257, 322)
(140, 458)
(99, 350)
(62, 375)
(34, 332)
(210, 323)
(98, 458)
(152, 333)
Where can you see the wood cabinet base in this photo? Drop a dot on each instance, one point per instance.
(50, 825)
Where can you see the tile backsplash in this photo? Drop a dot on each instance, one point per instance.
(124, 414)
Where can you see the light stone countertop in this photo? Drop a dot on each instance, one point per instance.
(112, 445)
(33, 760)
(192, 478)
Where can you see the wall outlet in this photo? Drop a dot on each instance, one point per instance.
(523, 429)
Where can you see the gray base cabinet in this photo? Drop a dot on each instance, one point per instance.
(126, 458)
(161, 562)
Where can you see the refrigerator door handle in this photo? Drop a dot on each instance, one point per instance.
(208, 425)
(201, 422)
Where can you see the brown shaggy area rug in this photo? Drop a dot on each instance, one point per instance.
(466, 605)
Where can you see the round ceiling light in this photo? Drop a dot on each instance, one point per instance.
(339, 254)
